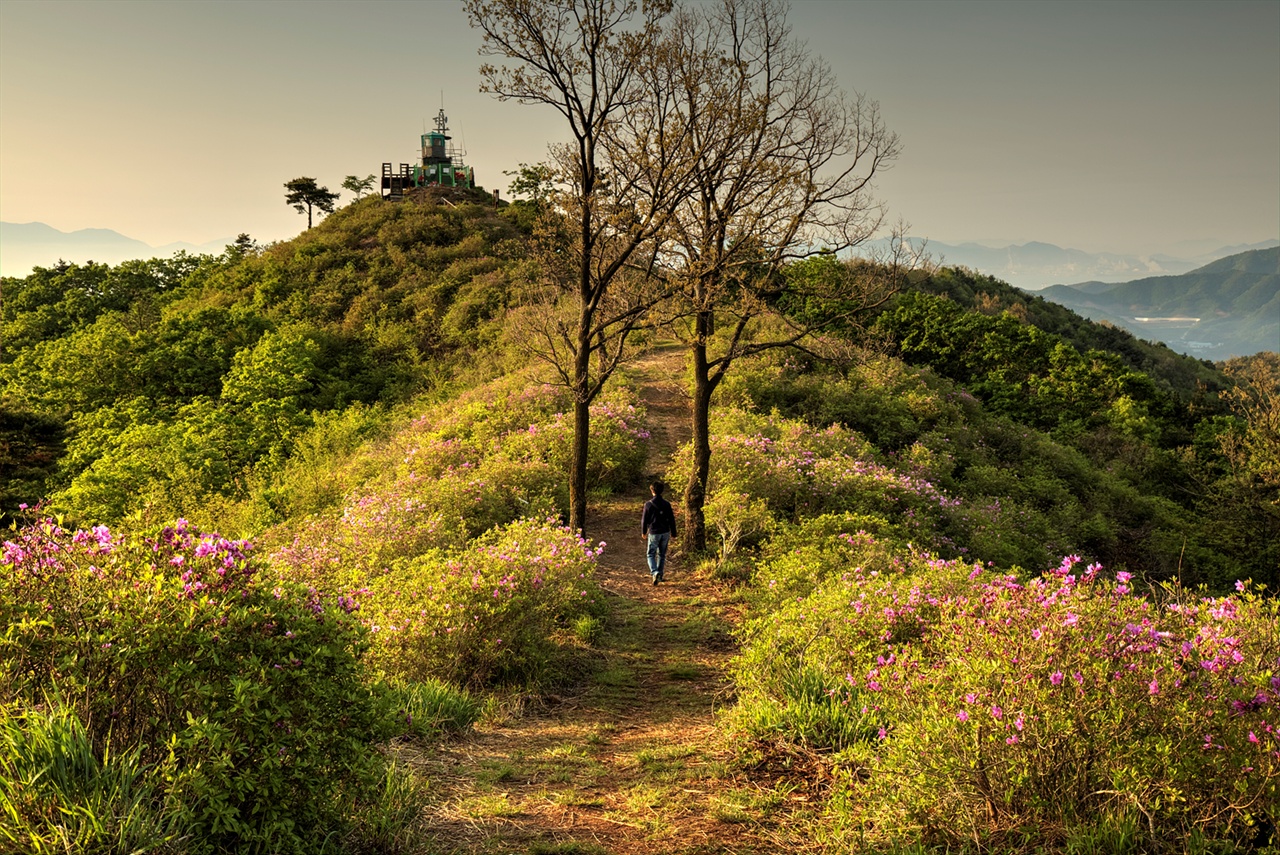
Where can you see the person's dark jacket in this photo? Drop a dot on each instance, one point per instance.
(658, 518)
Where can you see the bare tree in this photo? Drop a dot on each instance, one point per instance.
(581, 58)
(782, 167)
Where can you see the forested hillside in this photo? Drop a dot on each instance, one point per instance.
(1230, 306)
(334, 545)
(203, 386)
(157, 386)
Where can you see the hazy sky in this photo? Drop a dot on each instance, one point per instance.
(1125, 126)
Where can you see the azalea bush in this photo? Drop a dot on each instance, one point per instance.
(1070, 697)
(964, 701)
(522, 418)
(245, 698)
(798, 471)
(826, 598)
(453, 556)
(1027, 495)
(496, 610)
(500, 454)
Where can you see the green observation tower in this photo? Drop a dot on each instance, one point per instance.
(441, 165)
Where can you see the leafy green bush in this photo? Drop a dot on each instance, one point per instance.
(1024, 497)
(490, 612)
(496, 455)
(247, 699)
(799, 471)
(1070, 697)
(1021, 371)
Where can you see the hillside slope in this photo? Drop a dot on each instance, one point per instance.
(1230, 307)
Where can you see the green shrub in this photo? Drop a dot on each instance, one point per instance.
(1041, 704)
(248, 699)
(587, 628)
(799, 471)
(487, 613)
(977, 701)
(498, 454)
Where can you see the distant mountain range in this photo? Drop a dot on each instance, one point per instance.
(27, 245)
(1037, 265)
(1230, 307)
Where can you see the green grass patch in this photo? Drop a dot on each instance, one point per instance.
(431, 708)
(665, 763)
(684, 671)
(494, 772)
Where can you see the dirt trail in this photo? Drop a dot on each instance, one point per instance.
(631, 762)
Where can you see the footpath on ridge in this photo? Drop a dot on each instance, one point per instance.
(630, 761)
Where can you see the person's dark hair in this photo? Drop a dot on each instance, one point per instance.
(657, 487)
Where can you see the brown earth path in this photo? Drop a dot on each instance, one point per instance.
(631, 762)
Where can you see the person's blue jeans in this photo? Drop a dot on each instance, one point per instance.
(658, 553)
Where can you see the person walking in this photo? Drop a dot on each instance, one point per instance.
(658, 524)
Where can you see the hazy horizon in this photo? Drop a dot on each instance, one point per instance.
(1135, 128)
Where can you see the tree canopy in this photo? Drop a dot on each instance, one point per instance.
(305, 196)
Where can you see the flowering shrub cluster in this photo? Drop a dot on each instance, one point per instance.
(488, 612)
(451, 555)
(985, 702)
(799, 471)
(245, 698)
(498, 455)
(1026, 497)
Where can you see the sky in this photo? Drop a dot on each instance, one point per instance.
(1134, 127)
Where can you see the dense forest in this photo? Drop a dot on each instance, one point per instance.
(305, 546)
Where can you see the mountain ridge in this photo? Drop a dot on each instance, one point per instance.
(1228, 307)
(1038, 264)
(25, 246)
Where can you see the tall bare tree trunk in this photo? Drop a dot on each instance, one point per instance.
(581, 432)
(695, 492)
(578, 468)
